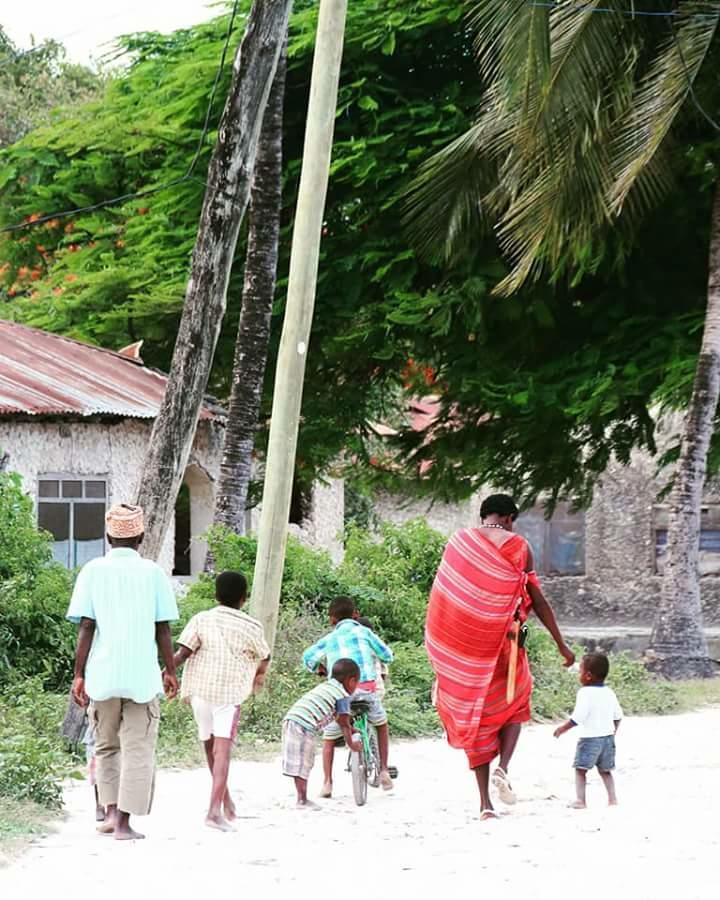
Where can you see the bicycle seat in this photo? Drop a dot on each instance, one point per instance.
(359, 707)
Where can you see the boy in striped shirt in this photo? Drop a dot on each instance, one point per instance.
(351, 640)
(309, 716)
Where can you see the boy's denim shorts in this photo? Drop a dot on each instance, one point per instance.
(376, 714)
(595, 751)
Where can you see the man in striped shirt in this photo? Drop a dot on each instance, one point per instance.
(312, 712)
(351, 640)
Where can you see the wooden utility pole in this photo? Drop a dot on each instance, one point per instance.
(304, 259)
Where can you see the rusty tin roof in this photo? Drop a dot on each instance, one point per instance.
(45, 374)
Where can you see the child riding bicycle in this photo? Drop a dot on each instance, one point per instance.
(351, 640)
(313, 711)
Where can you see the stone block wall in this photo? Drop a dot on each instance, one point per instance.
(113, 450)
(620, 584)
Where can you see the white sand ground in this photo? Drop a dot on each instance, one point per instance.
(425, 839)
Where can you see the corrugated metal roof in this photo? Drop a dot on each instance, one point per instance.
(47, 374)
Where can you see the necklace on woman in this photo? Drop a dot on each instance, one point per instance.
(493, 526)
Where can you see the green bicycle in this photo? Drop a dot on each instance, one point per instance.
(364, 764)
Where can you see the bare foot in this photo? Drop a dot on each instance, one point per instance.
(128, 834)
(577, 804)
(229, 810)
(219, 823)
(326, 791)
(386, 781)
(107, 826)
(307, 804)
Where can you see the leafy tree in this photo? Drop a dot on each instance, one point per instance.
(34, 83)
(573, 138)
(536, 391)
(117, 275)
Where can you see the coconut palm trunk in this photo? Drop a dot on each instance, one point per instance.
(229, 180)
(254, 329)
(678, 645)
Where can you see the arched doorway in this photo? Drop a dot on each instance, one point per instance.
(193, 517)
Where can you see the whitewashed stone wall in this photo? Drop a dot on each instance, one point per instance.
(115, 451)
(323, 526)
(620, 584)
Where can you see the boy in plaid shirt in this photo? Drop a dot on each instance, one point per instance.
(351, 640)
(227, 657)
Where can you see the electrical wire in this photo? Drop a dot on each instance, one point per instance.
(669, 14)
(13, 58)
(146, 192)
(690, 82)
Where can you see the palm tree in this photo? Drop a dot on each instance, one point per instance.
(573, 139)
(251, 346)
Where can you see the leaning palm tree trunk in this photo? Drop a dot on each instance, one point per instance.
(229, 179)
(254, 329)
(678, 646)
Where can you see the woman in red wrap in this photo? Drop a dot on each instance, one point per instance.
(483, 593)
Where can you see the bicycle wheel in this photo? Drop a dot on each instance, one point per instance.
(358, 770)
(373, 772)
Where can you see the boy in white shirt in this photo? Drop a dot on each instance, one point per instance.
(598, 714)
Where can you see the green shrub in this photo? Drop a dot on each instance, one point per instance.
(556, 687)
(390, 575)
(310, 580)
(35, 638)
(33, 758)
(408, 698)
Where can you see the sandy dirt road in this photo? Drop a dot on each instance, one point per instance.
(423, 840)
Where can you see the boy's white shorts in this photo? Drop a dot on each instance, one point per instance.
(215, 721)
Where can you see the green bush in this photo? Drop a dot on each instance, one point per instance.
(35, 638)
(390, 575)
(556, 687)
(33, 758)
(408, 698)
(310, 580)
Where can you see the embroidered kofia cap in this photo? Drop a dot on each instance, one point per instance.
(125, 521)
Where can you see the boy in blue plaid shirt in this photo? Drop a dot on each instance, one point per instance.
(351, 640)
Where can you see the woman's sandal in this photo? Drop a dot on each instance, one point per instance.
(503, 787)
(488, 814)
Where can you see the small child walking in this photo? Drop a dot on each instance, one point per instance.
(309, 716)
(227, 657)
(598, 714)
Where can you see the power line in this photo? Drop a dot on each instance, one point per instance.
(669, 14)
(690, 82)
(17, 57)
(629, 12)
(146, 192)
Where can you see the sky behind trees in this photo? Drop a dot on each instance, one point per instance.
(88, 27)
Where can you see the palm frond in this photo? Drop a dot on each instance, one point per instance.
(656, 102)
(443, 209)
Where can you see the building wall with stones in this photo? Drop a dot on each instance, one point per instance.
(620, 583)
(114, 451)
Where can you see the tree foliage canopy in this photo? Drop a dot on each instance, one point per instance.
(536, 391)
(34, 83)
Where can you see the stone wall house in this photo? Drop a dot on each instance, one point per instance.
(75, 421)
(601, 566)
